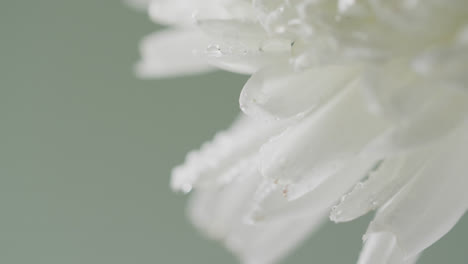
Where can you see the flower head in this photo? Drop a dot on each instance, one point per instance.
(352, 106)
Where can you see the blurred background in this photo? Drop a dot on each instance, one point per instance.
(86, 148)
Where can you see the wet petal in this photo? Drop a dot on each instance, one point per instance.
(219, 160)
(428, 207)
(320, 145)
(267, 243)
(436, 119)
(269, 203)
(247, 33)
(278, 92)
(242, 46)
(395, 91)
(220, 213)
(277, 17)
(382, 184)
(421, 109)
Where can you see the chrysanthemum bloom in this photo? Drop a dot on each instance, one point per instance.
(352, 106)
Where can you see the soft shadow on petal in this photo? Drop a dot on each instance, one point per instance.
(432, 203)
(321, 144)
(278, 92)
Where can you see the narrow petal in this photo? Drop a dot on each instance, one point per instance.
(245, 32)
(435, 120)
(220, 214)
(445, 66)
(421, 109)
(277, 92)
(185, 12)
(381, 185)
(219, 160)
(427, 18)
(428, 207)
(305, 155)
(242, 46)
(243, 62)
(218, 210)
(395, 91)
(167, 54)
(267, 243)
(382, 248)
(276, 16)
(269, 203)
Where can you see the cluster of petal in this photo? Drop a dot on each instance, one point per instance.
(352, 106)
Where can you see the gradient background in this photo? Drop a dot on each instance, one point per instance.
(86, 149)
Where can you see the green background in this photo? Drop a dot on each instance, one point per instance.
(86, 148)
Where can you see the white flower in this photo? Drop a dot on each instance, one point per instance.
(352, 106)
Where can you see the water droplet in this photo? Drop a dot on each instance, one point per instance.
(213, 50)
(186, 188)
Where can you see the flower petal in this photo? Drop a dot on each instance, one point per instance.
(433, 121)
(217, 161)
(427, 18)
(321, 144)
(266, 243)
(277, 92)
(166, 54)
(432, 203)
(185, 12)
(269, 203)
(383, 247)
(219, 213)
(218, 210)
(381, 185)
(242, 46)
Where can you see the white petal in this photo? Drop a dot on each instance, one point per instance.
(247, 33)
(428, 207)
(277, 92)
(241, 10)
(422, 109)
(217, 161)
(219, 213)
(383, 248)
(412, 259)
(395, 91)
(267, 243)
(307, 154)
(185, 12)
(445, 66)
(428, 18)
(279, 17)
(437, 118)
(200, 209)
(269, 203)
(216, 211)
(242, 46)
(245, 62)
(168, 53)
(381, 185)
